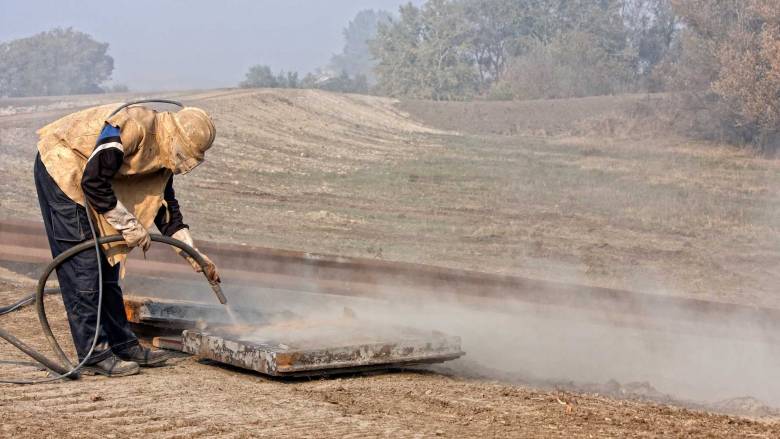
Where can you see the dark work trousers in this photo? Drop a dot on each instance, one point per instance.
(67, 225)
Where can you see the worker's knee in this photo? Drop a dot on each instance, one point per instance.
(85, 303)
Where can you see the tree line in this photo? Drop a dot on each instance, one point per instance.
(719, 58)
(528, 49)
(261, 76)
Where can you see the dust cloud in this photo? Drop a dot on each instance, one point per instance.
(567, 344)
(670, 355)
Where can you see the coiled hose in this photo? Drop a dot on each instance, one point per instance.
(64, 368)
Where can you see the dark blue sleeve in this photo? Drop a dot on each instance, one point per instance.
(102, 165)
(171, 220)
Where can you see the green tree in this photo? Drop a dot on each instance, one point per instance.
(396, 48)
(425, 53)
(355, 58)
(56, 62)
(499, 29)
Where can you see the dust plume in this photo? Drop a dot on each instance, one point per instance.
(670, 355)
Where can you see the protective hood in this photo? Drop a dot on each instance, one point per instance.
(183, 138)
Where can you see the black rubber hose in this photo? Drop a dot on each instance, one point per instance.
(146, 101)
(65, 369)
(35, 355)
(39, 304)
(25, 301)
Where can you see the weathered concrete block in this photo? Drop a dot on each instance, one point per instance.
(306, 356)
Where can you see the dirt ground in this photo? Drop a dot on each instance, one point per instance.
(194, 399)
(564, 191)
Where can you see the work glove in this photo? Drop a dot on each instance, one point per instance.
(126, 223)
(184, 236)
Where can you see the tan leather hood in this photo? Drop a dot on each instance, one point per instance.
(184, 138)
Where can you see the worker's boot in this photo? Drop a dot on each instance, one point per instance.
(112, 367)
(143, 356)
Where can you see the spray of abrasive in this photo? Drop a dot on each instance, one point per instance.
(233, 316)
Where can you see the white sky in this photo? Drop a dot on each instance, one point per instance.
(178, 44)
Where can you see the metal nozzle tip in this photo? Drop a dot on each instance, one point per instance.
(218, 291)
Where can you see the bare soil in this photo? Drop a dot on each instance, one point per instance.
(193, 399)
(570, 190)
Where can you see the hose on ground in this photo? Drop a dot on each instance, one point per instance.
(25, 301)
(63, 368)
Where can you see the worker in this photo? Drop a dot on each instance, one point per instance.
(119, 169)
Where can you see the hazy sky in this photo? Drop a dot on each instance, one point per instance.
(178, 44)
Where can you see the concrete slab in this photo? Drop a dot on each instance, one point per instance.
(283, 343)
(304, 354)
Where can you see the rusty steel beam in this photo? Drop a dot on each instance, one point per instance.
(308, 272)
(173, 314)
(181, 314)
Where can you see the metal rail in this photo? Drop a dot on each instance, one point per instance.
(309, 272)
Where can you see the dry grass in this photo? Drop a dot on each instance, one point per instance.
(355, 176)
(352, 175)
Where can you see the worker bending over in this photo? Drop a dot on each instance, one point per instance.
(121, 167)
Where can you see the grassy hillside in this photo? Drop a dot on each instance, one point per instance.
(575, 190)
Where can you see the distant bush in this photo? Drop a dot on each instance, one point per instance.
(117, 88)
(501, 91)
(573, 64)
(342, 83)
(261, 76)
(57, 62)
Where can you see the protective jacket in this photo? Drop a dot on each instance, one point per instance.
(129, 157)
